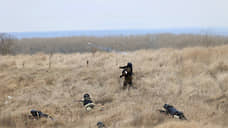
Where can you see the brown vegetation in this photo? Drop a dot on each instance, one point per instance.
(117, 43)
(6, 44)
(194, 80)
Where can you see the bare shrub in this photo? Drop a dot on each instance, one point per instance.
(49, 60)
(6, 44)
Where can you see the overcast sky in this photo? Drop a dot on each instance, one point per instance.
(51, 15)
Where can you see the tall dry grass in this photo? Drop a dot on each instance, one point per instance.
(194, 80)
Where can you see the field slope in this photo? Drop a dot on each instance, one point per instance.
(194, 80)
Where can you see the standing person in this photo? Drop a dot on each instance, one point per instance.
(127, 74)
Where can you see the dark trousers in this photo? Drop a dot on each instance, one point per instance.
(127, 81)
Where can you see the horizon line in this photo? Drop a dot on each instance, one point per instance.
(121, 29)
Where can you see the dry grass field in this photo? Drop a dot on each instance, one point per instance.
(194, 80)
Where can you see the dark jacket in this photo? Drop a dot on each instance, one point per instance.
(87, 101)
(38, 114)
(173, 111)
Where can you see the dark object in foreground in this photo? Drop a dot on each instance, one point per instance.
(127, 74)
(87, 99)
(87, 102)
(100, 125)
(38, 114)
(170, 110)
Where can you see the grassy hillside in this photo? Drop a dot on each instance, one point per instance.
(194, 80)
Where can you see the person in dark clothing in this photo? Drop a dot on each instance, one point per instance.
(38, 114)
(170, 110)
(86, 99)
(127, 74)
(100, 125)
(87, 102)
(129, 65)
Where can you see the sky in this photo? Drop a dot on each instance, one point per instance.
(59, 15)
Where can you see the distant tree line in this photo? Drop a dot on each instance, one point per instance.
(10, 45)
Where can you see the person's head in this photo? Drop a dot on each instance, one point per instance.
(166, 106)
(100, 125)
(129, 67)
(86, 96)
(129, 64)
